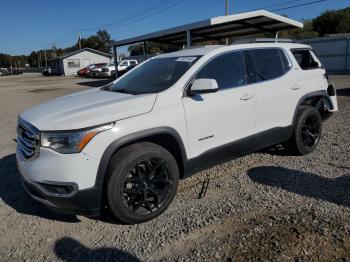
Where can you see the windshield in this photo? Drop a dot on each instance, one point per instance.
(156, 75)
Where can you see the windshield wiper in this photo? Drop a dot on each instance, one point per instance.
(125, 91)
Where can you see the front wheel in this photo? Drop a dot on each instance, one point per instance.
(307, 132)
(142, 182)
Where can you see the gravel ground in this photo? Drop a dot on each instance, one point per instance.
(265, 206)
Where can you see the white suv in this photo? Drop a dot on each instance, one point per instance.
(106, 71)
(127, 144)
(123, 65)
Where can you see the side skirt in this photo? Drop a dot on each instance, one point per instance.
(237, 149)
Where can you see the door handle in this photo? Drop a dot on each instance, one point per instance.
(246, 97)
(296, 87)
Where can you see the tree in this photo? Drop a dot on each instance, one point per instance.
(301, 33)
(333, 22)
(101, 41)
(105, 40)
(5, 60)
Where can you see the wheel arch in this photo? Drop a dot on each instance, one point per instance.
(318, 99)
(166, 137)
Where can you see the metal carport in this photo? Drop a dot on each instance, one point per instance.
(217, 28)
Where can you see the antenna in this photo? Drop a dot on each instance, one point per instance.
(226, 13)
(79, 39)
(276, 37)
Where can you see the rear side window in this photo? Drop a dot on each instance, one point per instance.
(228, 70)
(305, 59)
(132, 63)
(269, 63)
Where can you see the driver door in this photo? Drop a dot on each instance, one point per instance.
(216, 119)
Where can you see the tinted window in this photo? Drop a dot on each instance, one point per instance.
(227, 69)
(305, 59)
(269, 63)
(132, 63)
(154, 76)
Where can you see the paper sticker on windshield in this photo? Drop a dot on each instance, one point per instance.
(188, 59)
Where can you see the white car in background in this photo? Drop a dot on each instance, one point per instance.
(96, 71)
(106, 71)
(123, 65)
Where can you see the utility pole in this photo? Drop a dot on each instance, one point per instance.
(39, 59)
(226, 12)
(54, 50)
(45, 58)
(79, 40)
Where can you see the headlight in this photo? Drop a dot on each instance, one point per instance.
(67, 142)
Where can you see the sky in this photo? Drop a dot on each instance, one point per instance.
(33, 25)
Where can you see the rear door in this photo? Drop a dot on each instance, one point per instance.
(274, 87)
(216, 119)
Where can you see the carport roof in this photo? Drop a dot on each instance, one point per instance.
(84, 49)
(220, 27)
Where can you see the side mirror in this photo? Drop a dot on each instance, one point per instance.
(202, 86)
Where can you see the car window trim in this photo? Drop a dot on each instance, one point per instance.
(272, 79)
(191, 79)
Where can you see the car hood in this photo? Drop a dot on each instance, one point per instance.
(87, 108)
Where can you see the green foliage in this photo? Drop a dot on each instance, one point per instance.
(300, 33)
(333, 22)
(37, 58)
(5, 60)
(101, 41)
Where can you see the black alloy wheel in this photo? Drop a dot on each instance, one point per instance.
(146, 186)
(310, 131)
(307, 131)
(142, 182)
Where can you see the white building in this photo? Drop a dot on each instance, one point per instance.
(70, 63)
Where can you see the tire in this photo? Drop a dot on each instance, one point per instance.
(307, 131)
(137, 173)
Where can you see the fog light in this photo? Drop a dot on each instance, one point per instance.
(58, 189)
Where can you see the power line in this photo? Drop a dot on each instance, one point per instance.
(162, 5)
(145, 16)
(180, 14)
(153, 7)
(290, 7)
(279, 4)
(74, 32)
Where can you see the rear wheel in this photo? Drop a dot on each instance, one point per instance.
(142, 182)
(307, 132)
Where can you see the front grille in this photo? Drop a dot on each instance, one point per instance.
(105, 69)
(28, 140)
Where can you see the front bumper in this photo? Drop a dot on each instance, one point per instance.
(105, 74)
(45, 176)
(79, 202)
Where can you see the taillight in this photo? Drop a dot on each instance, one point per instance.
(331, 90)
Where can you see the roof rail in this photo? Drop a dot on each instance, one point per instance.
(199, 46)
(262, 40)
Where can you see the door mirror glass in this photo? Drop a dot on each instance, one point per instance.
(203, 85)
